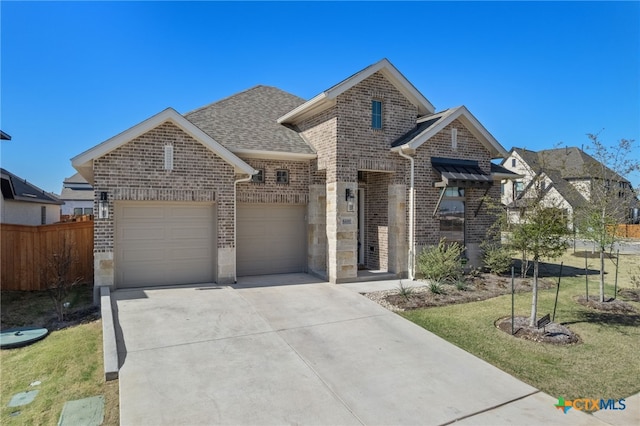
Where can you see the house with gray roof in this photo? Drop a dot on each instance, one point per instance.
(77, 195)
(347, 185)
(560, 178)
(23, 203)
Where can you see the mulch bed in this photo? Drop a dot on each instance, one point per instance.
(481, 287)
(615, 306)
(554, 333)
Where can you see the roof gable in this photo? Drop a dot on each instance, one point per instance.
(430, 125)
(83, 163)
(327, 98)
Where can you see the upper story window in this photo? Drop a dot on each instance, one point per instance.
(282, 177)
(376, 114)
(518, 187)
(513, 162)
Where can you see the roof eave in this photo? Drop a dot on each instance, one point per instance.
(475, 127)
(83, 163)
(274, 155)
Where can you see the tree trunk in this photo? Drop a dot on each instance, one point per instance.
(601, 275)
(534, 294)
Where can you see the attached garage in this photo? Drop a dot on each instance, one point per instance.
(271, 239)
(164, 243)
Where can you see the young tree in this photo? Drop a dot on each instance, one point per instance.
(541, 235)
(610, 195)
(57, 274)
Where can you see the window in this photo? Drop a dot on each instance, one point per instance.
(513, 162)
(43, 215)
(258, 177)
(376, 114)
(454, 139)
(452, 215)
(282, 177)
(88, 210)
(518, 188)
(77, 211)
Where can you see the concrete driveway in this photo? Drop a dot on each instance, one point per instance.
(302, 352)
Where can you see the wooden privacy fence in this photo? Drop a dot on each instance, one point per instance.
(26, 249)
(628, 231)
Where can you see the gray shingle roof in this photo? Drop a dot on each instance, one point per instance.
(16, 188)
(247, 120)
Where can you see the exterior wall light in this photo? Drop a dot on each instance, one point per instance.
(103, 206)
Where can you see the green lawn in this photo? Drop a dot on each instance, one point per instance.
(606, 364)
(68, 363)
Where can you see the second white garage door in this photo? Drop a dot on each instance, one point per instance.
(271, 239)
(164, 243)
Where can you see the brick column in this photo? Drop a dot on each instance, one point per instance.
(317, 230)
(398, 238)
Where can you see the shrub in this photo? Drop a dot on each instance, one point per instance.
(497, 259)
(436, 288)
(442, 262)
(405, 292)
(461, 285)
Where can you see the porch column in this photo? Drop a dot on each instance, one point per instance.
(398, 237)
(342, 229)
(317, 231)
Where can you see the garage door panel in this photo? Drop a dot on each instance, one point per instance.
(271, 239)
(164, 244)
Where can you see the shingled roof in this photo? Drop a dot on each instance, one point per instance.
(248, 121)
(16, 188)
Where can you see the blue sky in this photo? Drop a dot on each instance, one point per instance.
(536, 74)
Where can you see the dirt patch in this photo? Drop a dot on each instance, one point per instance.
(615, 306)
(480, 287)
(35, 309)
(553, 333)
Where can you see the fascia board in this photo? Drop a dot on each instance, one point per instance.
(84, 161)
(312, 104)
(389, 71)
(274, 155)
(474, 126)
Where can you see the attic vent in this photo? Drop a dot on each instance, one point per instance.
(168, 157)
(454, 138)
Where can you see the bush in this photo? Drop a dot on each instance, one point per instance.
(497, 259)
(436, 288)
(404, 291)
(441, 263)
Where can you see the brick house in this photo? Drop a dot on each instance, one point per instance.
(264, 182)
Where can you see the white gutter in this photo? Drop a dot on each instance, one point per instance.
(235, 221)
(411, 218)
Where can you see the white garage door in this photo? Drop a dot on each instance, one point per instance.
(271, 239)
(164, 243)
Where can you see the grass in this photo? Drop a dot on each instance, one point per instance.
(68, 363)
(605, 364)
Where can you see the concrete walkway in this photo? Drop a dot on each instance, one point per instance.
(289, 349)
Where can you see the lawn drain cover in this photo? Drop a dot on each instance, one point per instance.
(86, 412)
(18, 337)
(22, 398)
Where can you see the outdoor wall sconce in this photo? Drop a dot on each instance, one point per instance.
(103, 206)
(349, 195)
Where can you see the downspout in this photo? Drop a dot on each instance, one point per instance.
(235, 221)
(411, 208)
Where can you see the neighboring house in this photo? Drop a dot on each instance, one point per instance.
(561, 178)
(23, 203)
(77, 195)
(4, 136)
(263, 182)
